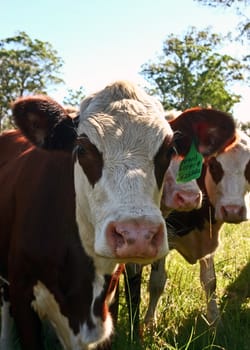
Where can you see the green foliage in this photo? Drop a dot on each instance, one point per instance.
(245, 127)
(239, 6)
(227, 3)
(27, 66)
(74, 97)
(191, 72)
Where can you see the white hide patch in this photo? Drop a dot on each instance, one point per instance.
(46, 306)
(102, 330)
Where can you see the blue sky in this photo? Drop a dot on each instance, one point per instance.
(104, 40)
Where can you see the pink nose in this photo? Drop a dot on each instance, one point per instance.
(186, 200)
(135, 238)
(233, 213)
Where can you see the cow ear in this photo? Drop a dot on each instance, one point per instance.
(44, 122)
(211, 130)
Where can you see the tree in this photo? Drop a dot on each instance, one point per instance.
(238, 6)
(74, 97)
(27, 66)
(245, 127)
(192, 72)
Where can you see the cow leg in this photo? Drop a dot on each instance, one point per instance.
(156, 287)
(28, 325)
(208, 282)
(7, 339)
(132, 279)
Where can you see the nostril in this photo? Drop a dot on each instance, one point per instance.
(118, 238)
(157, 237)
(179, 198)
(198, 197)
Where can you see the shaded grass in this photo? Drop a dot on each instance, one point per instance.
(181, 323)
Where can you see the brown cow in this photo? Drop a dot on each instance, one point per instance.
(82, 200)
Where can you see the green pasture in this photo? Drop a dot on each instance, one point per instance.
(181, 322)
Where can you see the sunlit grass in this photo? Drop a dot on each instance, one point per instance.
(181, 322)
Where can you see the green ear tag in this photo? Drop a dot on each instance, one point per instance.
(191, 165)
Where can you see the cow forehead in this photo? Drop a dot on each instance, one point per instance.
(236, 158)
(126, 131)
(125, 117)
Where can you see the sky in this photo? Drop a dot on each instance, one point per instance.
(105, 40)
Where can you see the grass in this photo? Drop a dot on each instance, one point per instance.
(181, 323)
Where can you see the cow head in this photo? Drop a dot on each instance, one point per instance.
(228, 181)
(122, 148)
(179, 196)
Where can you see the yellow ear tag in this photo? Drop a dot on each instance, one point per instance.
(191, 165)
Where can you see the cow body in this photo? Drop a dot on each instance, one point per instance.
(225, 182)
(48, 254)
(78, 201)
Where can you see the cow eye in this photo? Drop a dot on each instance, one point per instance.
(213, 165)
(82, 144)
(81, 150)
(215, 169)
(171, 151)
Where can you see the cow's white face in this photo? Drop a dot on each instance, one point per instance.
(228, 182)
(179, 196)
(117, 202)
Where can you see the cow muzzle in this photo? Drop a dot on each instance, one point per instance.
(186, 200)
(233, 213)
(135, 239)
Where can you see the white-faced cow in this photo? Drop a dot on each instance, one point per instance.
(225, 181)
(175, 196)
(76, 202)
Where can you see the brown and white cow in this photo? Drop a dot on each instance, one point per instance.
(79, 201)
(225, 182)
(175, 196)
